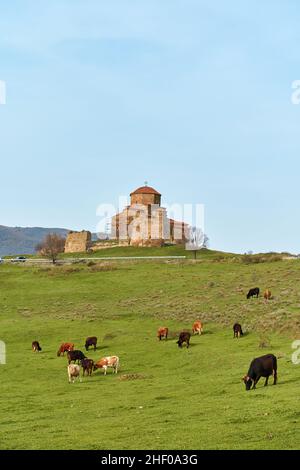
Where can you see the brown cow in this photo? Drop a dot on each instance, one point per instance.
(197, 327)
(162, 333)
(184, 337)
(91, 341)
(105, 362)
(87, 366)
(237, 330)
(65, 347)
(267, 294)
(36, 346)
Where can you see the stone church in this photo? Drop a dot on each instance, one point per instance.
(145, 222)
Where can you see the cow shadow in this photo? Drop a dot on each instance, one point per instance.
(287, 381)
(244, 335)
(98, 348)
(192, 345)
(100, 374)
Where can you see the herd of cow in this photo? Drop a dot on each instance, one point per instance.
(263, 366)
(87, 365)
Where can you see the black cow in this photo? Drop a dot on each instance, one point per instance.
(237, 330)
(91, 341)
(253, 292)
(36, 346)
(87, 366)
(75, 356)
(263, 366)
(184, 337)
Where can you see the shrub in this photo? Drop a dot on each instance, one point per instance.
(103, 267)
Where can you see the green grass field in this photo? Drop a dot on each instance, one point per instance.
(163, 397)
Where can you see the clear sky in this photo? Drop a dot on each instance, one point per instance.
(193, 96)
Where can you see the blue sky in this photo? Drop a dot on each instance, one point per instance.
(193, 96)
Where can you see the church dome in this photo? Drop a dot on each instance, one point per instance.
(145, 195)
(145, 190)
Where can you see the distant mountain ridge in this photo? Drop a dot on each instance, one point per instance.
(23, 240)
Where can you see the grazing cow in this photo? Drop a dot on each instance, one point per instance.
(87, 366)
(263, 366)
(197, 328)
(237, 330)
(75, 356)
(105, 362)
(73, 372)
(36, 346)
(91, 341)
(64, 347)
(253, 292)
(162, 333)
(267, 294)
(184, 337)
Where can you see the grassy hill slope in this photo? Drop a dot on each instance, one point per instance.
(163, 397)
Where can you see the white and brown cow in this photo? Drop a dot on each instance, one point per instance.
(109, 361)
(73, 372)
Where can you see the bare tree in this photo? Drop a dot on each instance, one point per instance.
(51, 246)
(197, 240)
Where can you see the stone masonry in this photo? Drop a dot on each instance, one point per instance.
(78, 242)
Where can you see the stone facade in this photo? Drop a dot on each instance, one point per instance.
(78, 242)
(145, 222)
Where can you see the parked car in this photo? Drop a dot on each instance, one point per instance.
(18, 259)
